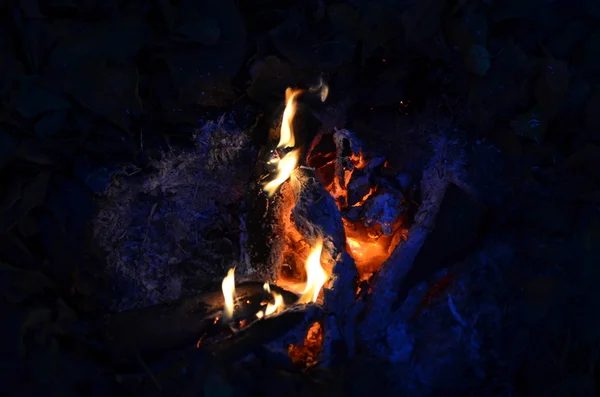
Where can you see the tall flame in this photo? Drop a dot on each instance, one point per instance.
(315, 274)
(285, 167)
(228, 287)
(286, 137)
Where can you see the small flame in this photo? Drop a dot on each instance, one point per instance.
(322, 89)
(228, 287)
(285, 167)
(272, 308)
(315, 274)
(286, 137)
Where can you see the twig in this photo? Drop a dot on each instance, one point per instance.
(150, 374)
(455, 312)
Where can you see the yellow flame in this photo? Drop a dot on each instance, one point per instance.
(315, 274)
(322, 89)
(271, 308)
(228, 287)
(285, 167)
(286, 137)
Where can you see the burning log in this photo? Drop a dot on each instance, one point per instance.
(268, 200)
(181, 323)
(282, 330)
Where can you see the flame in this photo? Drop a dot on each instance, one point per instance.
(286, 137)
(285, 167)
(272, 308)
(315, 274)
(228, 287)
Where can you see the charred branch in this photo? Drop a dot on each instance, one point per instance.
(180, 323)
(282, 329)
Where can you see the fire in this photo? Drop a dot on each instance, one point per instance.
(272, 308)
(286, 137)
(228, 287)
(316, 276)
(285, 167)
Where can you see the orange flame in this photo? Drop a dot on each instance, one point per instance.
(272, 308)
(286, 137)
(285, 167)
(228, 287)
(316, 276)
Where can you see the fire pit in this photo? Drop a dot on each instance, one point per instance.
(331, 232)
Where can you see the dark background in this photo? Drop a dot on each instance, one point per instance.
(86, 86)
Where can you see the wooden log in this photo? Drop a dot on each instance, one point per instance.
(265, 228)
(339, 297)
(179, 323)
(283, 327)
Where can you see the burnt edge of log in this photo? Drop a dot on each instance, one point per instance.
(316, 214)
(179, 323)
(265, 331)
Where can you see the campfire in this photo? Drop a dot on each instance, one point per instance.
(329, 216)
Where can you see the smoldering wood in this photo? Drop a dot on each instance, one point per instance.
(316, 214)
(179, 323)
(383, 208)
(283, 328)
(384, 288)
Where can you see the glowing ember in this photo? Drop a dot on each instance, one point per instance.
(315, 274)
(285, 167)
(307, 354)
(286, 137)
(228, 287)
(272, 308)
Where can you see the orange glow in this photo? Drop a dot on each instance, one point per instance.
(307, 354)
(366, 197)
(286, 137)
(315, 274)
(285, 167)
(228, 288)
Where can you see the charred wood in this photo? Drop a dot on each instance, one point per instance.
(180, 323)
(338, 301)
(284, 328)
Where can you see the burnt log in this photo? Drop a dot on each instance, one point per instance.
(179, 323)
(339, 297)
(281, 329)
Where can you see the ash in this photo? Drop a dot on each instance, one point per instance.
(173, 229)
